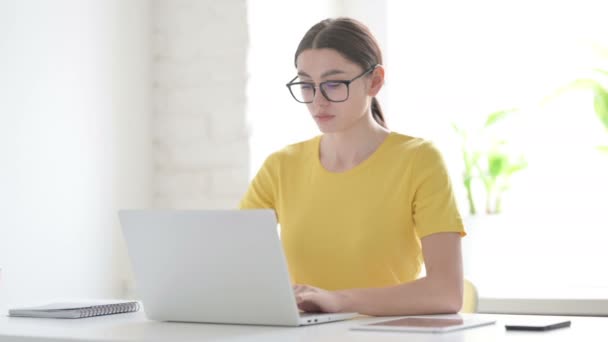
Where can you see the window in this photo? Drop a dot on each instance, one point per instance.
(458, 62)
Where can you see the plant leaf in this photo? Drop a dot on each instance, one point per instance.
(497, 116)
(516, 167)
(497, 164)
(581, 83)
(601, 71)
(600, 102)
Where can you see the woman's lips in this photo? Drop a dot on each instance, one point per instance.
(324, 117)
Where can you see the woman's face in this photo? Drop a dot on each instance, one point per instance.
(320, 65)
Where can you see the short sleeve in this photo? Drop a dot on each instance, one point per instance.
(434, 206)
(261, 193)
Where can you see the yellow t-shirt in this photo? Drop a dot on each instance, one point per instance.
(360, 228)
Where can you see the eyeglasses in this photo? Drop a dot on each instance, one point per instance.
(333, 91)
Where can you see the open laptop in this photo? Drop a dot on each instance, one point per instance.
(213, 266)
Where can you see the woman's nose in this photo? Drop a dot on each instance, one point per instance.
(319, 99)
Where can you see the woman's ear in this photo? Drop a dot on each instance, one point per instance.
(377, 80)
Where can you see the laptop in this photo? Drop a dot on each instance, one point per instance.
(213, 266)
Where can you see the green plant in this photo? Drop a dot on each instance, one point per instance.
(600, 96)
(595, 81)
(487, 158)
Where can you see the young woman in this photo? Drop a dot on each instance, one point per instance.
(361, 208)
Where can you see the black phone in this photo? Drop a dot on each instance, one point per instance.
(537, 326)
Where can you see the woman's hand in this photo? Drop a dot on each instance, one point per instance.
(313, 299)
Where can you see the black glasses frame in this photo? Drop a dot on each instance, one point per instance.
(321, 86)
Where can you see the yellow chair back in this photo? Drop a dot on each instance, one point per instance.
(470, 298)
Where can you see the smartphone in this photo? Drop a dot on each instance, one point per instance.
(538, 325)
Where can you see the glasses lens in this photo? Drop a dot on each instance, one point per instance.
(335, 91)
(303, 92)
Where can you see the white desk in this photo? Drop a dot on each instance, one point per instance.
(135, 327)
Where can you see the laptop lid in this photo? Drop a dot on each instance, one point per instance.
(216, 266)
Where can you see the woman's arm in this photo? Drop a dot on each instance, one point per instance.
(440, 291)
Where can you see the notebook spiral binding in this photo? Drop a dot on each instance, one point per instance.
(109, 309)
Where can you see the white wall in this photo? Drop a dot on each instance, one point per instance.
(74, 142)
(200, 137)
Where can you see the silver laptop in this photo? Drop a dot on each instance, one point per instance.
(216, 266)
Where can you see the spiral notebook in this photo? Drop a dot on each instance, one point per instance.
(76, 309)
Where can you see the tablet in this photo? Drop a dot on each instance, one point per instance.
(425, 324)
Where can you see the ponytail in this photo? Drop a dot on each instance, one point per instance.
(377, 112)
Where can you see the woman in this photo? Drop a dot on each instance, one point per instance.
(361, 208)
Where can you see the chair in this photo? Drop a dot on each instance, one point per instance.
(470, 298)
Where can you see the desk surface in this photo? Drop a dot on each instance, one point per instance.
(135, 327)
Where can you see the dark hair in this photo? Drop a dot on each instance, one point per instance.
(351, 39)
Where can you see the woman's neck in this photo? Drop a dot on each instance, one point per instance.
(341, 151)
